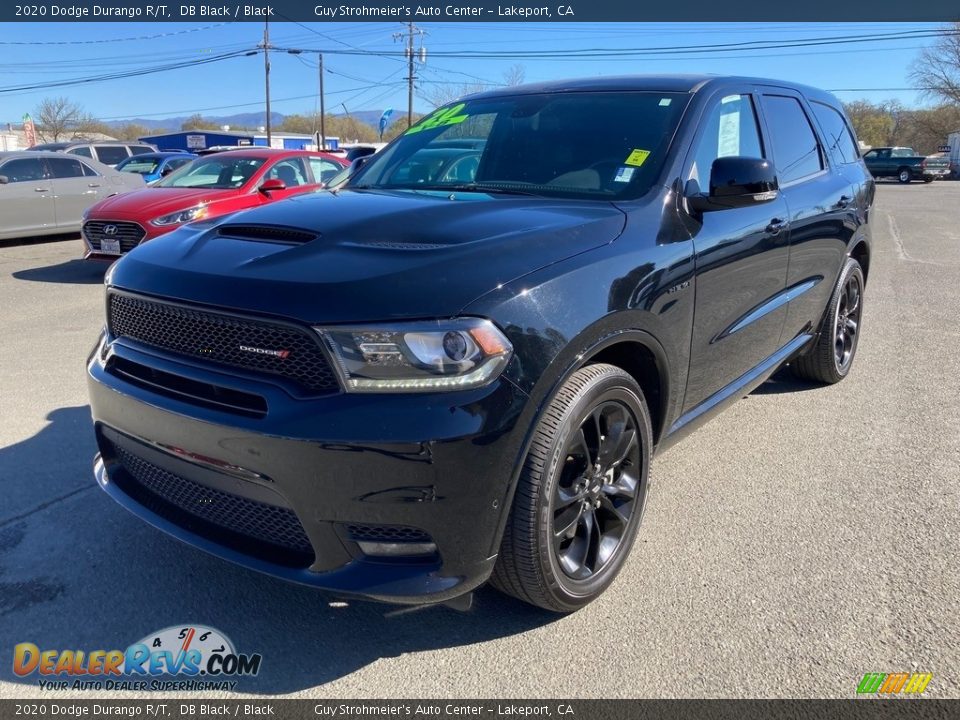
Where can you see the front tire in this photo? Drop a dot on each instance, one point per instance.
(581, 493)
(830, 359)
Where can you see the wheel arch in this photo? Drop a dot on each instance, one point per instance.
(861, 253)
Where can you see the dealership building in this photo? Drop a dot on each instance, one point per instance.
(193, 140)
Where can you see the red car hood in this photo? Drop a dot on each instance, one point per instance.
(150, 203)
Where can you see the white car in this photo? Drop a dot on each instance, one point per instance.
(46, 193)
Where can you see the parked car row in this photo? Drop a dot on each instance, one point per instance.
(45, 192)
(205, 187)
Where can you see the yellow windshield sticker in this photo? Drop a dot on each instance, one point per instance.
(637, 158)
(441, 118)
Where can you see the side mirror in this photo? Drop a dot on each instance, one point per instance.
(269, 186)
(4, 179)
(737, 182)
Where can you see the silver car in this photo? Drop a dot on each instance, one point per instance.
(45, 193)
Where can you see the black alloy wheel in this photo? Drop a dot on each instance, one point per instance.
(831, 356)
(595, 495)
(848, 322)
(581, 493)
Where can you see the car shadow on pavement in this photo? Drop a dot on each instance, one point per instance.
(78, 571)
(784, 381)
(85, 272)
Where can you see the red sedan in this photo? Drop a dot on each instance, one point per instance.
(207, 187)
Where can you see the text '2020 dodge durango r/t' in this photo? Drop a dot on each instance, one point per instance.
(438, 375)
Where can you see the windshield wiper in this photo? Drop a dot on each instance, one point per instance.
(492, 189)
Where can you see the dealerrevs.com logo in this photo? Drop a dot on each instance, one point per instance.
(201, 658)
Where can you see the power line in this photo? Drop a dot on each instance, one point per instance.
(112, 40)
(128, 73)
(660, 50)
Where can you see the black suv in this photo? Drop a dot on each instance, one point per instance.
(457, 366)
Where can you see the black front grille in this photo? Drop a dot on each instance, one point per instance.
(387, 534)
(267, 531)
(284, 350)
(128, 233)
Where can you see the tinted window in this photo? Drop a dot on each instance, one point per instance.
(89, 171)
(140, 149)
(838, 135)
(175, 163)
(111, 154)
(730, 129)
(23, 170)
(795, 148)
(84, 151)
(65, 168)
(597, 145)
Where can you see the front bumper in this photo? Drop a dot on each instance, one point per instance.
(439, 465)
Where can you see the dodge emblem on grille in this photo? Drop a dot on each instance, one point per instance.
(282, 354)
(109, 229)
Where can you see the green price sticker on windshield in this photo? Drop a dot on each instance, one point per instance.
(441, 118)
(637, 157)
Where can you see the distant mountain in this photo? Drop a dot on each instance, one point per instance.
(238, 120)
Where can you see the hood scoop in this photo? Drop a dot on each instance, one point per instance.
(268, 233)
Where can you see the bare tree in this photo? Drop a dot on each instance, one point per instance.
(444, 94)
(937, 71)
(56, 118)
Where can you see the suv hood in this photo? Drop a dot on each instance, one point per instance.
(152, 202)
(376, 256)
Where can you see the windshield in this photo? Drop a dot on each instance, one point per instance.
(590, 145)
(217, 172)
(139, 165)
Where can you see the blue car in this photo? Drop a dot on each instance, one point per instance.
(155, 165)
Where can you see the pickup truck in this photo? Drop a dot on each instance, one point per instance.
(904, 164)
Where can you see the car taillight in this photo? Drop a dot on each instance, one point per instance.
(923, 164)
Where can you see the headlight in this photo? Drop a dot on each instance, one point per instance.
(419, 357)
(181, 216)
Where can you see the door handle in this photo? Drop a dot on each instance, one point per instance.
(776, 226)
(93, 184)
(41, 189)
(843, 202)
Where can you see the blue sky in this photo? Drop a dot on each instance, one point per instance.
(61, 51)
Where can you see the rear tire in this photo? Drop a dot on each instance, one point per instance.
(829, 360)
(904, 175)
(581, 493)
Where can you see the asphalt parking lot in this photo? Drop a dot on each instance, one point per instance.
(804, 538)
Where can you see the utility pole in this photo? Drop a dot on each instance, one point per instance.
(323, 126)
(409, 74)
(408, 51)
(266, 71)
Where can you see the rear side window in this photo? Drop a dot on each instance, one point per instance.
(140, 149)
(84, 151)
(837, 132)
(111, 154)
(731, 129)
(796, 151)
(65, 168)
(323, 170)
